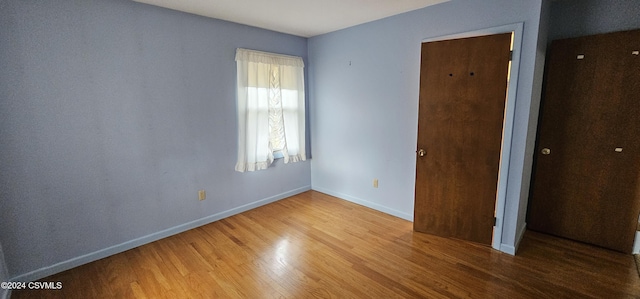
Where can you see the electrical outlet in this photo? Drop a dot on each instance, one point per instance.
(202, 195)
(375, 183)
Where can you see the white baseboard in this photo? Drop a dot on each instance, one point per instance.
(508, 249)
(520, 236)
(366, 203)
(512, 249)
(636, 244)
(94, 256)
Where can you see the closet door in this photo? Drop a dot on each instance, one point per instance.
(586, 184)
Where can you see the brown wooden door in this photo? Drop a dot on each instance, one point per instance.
(586, 184)
(463, 86)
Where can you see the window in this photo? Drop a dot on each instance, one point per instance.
(271, 109)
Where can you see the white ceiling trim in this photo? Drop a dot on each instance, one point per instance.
(304, 18)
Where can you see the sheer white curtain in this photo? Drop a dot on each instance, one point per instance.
(271, 109)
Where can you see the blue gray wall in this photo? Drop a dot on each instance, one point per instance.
(573, 18)
(364, 109)
(113, 114)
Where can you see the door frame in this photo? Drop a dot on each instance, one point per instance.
(508, 122)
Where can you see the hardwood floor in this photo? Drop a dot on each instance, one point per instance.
(316, 246)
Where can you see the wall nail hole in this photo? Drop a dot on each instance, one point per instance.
(450, 75)
(472, 73)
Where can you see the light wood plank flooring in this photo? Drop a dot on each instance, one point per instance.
(316, 246)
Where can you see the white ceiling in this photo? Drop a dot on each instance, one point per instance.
(305, 18)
